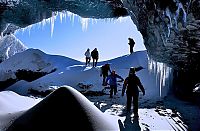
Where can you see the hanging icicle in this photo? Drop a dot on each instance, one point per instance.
(162, 72)
(53, 18)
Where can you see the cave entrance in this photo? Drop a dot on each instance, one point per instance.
(70, 35)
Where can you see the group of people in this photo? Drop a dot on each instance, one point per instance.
(94, 54)
(130, 85)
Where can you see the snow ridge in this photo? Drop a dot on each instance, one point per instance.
(9, 46)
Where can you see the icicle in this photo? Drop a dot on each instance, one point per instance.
(162, 72)
(71, 16)
(84, 23)
(62, 15)
(94, 21)
(53, 18)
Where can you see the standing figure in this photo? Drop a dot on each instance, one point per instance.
(104, 72)
(87, 57)
(95, 56)
(131, 44)
(112, 78)
(131, 83)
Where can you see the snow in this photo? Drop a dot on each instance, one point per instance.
(156, 78)
(71, 72)
(11, 102)
(12, 106)
(35, 60)
(9, 46)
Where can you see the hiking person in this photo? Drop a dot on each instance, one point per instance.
(95, 56)
(104, 72)
(131, 44)
(87, 57)
(131, 83)
(112, 78)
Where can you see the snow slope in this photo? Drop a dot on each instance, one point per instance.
(71, 72)
(12, 106)
(153, 114)
(9, 46)
(34, 60)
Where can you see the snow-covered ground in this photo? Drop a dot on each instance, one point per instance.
(154, 115)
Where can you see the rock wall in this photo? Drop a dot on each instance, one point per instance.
(170, 29)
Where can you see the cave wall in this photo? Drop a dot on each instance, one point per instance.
(170, 29)
(15, 14)
(171, 32)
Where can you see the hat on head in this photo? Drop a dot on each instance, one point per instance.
(132, 71)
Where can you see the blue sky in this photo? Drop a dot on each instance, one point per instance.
(110, 37)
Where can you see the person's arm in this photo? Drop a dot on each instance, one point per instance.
(124, 86)
(141, 86)
(107, 79)
(109, 70)
(119, 77)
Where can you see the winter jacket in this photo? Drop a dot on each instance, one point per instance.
(113, 79)
(131, 43)
(95, 54)
(87, 54)
(105, 69)
(131, 83)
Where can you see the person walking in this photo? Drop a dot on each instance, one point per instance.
(131, 44)
(104, 72)
(132, 82)
(87, 57)
(112, 78)
(95, 56)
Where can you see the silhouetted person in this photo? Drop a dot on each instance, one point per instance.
(104, 72)
(112, 78)
(131, 44)
(87, 57)
(95, 56)
(131, 83)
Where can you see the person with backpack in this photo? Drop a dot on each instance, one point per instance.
(87, 57)
(95, 56)
(131, 84)
(104, 72)
(131, 44)
(112, 78)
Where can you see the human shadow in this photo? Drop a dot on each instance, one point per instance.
(129, 125)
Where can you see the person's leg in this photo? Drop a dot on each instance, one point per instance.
(89, 61)
(128, 102)
(131, 49)
(85, 60)
(115, 90)
(135, 105)
(111, 91)
(93, 62)
(96, 62)
(104, 80)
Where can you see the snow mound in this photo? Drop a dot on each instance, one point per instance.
(33, 60)
(9, 46)
(64, 109)
(12, 102)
